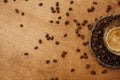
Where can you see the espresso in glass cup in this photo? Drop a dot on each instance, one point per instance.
(112, 38)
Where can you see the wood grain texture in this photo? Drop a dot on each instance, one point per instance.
(16, 40)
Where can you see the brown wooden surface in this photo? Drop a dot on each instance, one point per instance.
(15, 41)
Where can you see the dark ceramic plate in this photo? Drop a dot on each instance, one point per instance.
(103, 55)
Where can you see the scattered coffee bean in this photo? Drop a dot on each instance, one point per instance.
(95, 3)
(85, 21)
(21, 25)
(87, 66)
(85, 54)
(72, 70)
(65, 35)
(26, 53)
(64, 52)
(104, 71)
(47, 35)
(57, 8)
(57, 3)
(59, 17)
(85, 43)
(55, 60)
(79, 35)
(81, 57)
(89, 26)
(16, 10)
(51, 21)
(89, 10)
(78, 24)
(52, 8)
(22, 13)
(83, 24)
(47, 61)
(78, 50)
(92, 8)
(52, 37)
(75, 20)
(5, 1)
(66, 22)
(96, 19)
(36, 47)
(71, 2)
(40, 4)
(40, 41)
(67, 14)
(70, 9)
(57, 22)
(109, 8)
(93, 72)
(57, 42)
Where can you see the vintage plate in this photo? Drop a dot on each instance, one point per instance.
(90, 43)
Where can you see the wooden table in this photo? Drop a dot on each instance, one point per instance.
(26, 53)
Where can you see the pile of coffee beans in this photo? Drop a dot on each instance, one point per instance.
(98, 47)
